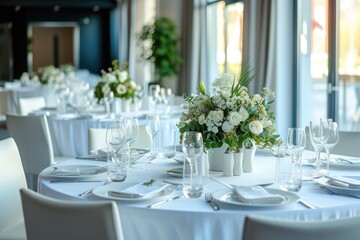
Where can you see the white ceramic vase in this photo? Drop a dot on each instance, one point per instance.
(216, 158)
(238, 163)
(228, 167)
(116, 105)
(249, 154)
(125, 105)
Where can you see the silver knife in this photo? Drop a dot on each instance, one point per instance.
(164, 201)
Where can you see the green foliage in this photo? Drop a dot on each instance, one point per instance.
(158, 42)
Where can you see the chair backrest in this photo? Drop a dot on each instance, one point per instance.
(12, 178)
(3, 101)
(348, 144)
(47, 218)
(256, 228)
(32, 135)
(28, 105)
(97, 138)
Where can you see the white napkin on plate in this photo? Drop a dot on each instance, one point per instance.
(140, 190)
(76, 171)
(343, 181)
(256, 195)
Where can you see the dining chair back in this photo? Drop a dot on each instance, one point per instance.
(28, 105)
(348, 144)
(3, 106)
(97, 139)
(32, 135)
(259, 228)
(48, 218)
(12, 178)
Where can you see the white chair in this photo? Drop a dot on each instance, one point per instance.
(12, 178)
(47, 218)
(32, 135)
(266, 228)
(348, 144)
(3, 107)
(97, 139)
(28, 105)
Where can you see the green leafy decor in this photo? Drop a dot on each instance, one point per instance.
(159, 45)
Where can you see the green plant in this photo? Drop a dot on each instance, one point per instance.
(158, 42)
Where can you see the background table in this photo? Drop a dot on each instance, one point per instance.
(194, 218)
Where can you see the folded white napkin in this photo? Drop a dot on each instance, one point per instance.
(140, 190)
(343, 181)
(256, 195)
(68, 171)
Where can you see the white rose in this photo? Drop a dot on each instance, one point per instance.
(243, 113)
(121, 89)
(106, 89)
(256, 127)
(123, 76)
(133, 85)
(227, 127)
(109, 78)
(226, 94)
(234, 118)
(201, 119)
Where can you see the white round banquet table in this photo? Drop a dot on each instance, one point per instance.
(69, 132)
(194, 218)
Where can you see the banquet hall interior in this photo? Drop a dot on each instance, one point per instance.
(267, 91)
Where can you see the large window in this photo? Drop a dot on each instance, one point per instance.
(330, 65)
(225, 26)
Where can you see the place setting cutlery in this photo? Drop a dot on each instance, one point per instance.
(209, 200)
(164, 201)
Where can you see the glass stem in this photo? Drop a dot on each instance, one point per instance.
(328, 162)
(318, 153)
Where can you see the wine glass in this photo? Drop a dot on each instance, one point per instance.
(152, 127)
(132, 132)
(192, 146)
(116, 139)
(318, 136)
(108, 99)
(332, 140)
(296, 141)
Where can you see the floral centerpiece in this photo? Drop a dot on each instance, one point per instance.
(117, 83)
(231, 115)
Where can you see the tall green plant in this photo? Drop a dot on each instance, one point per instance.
(158, 42)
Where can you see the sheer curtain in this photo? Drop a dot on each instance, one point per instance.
(259, 41)
(193, 46)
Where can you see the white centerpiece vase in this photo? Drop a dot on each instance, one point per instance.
(248, 158)
(125, 105)
(216, 158)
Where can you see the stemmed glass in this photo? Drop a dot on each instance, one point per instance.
(116, 138)
(332, 140)
(132, 132)
(318, 137)
(152, 127)
(108, 99)
(192, 146)
(296, 141)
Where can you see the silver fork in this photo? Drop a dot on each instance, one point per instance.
(208, 199)
(87, 192)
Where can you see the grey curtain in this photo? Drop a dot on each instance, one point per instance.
(193, 46)
(259, 41)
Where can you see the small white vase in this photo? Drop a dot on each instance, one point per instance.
(249, 154)
(238, 163)
(228, 167)
(125, 105)
(216, 158)
(116, 105)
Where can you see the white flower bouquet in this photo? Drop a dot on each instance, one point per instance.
(231, 115)
(116, 82)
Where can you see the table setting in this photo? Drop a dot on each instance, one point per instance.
(183, 187)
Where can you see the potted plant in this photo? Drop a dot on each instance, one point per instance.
(159, 45)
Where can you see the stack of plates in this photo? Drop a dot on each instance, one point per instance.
(341, 185)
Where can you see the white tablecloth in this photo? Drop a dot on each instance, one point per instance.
(69, 133)
(194, 218)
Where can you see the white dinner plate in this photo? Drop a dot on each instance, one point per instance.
(75, 171)
(102, 191)
(339, 189)
(179, 157)
(227, 196)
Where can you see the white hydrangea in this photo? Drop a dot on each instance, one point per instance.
(256, 127)
(216, 117)
(266, 123)
(121, 89)
(243, 114)
(234, 118)
(224, 82)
